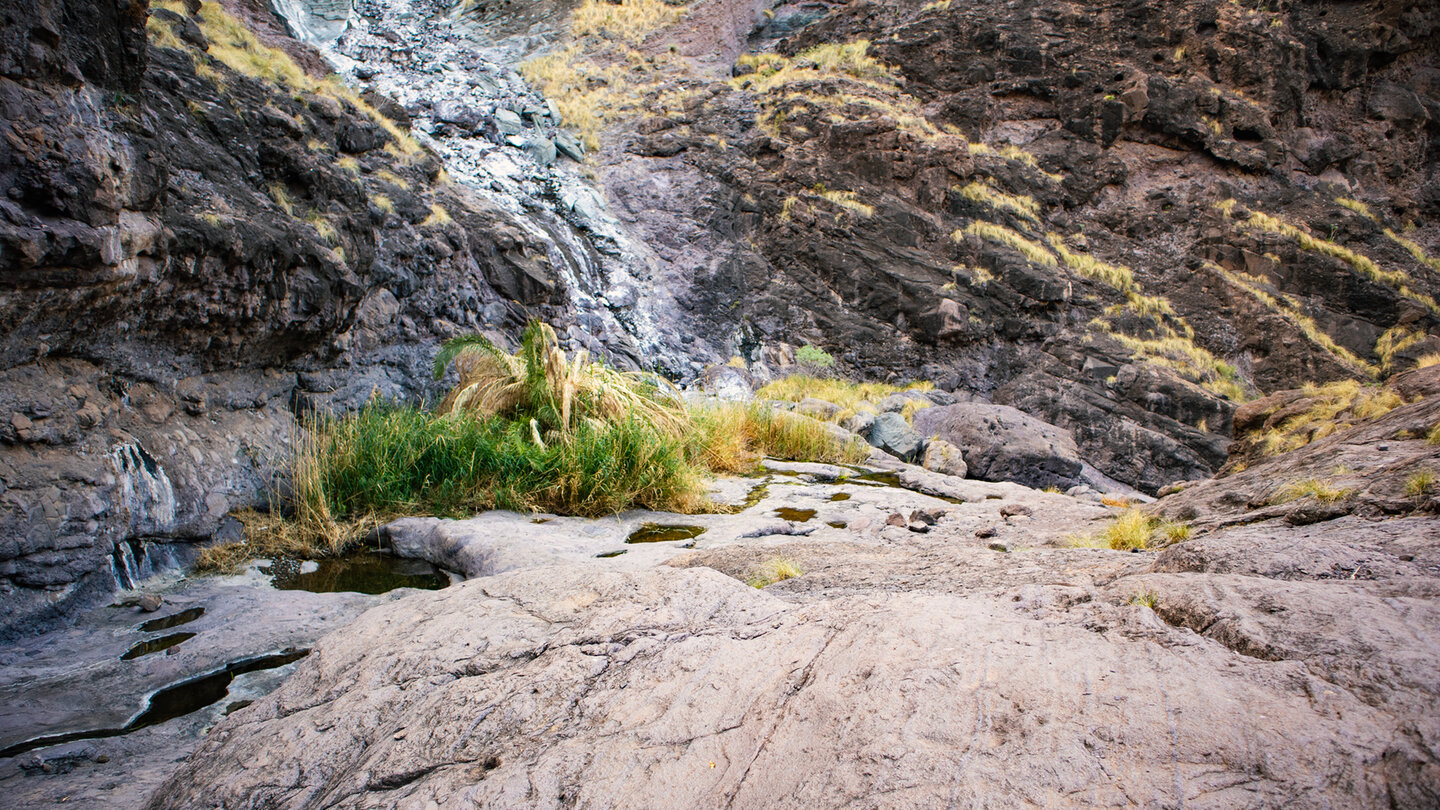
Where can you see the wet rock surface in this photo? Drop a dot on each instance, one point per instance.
(130, 720)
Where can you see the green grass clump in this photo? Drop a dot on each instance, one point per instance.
(1322, 491)
(808, 355)
(534, 431)
(773, 570)
(1147, 599)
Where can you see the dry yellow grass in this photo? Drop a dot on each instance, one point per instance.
(1355, 205)
(1117, 276)
(1397, 280)
(986, 194)
(627, 20)
(1289, 309)
(1396, 339)
(1335, 407)
(1002, 235)
(848, 200)
(438, 217)
(1415, 250)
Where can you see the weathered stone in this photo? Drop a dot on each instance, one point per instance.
(943, 457)
(1003, 444)
(508, 122)
(540, 149)
(894, 435)
(818, 408)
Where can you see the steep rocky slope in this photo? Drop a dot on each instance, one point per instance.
(1036, 201)
(193, 254)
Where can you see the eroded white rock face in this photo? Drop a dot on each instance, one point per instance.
(685, 688)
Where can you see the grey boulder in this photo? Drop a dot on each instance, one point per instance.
(894, 435)
(1001, 443)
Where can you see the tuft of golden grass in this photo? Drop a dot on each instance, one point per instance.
(773, 570)
(1397, 280)
(627, 20)
(1320, 490)
(1336, 406)
(999, 234)
(1132, 530)
(1117, 276)
(384, 203)
(1022, 206)
(1395, 340)
(438, 217)
(1115, 500)
(848, 200)
(1355, 205)
(1415, 250)
(1420, 484)
(850, 396)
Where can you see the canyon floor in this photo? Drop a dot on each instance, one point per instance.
(943, 649)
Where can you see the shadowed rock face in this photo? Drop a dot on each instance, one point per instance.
(185, 264)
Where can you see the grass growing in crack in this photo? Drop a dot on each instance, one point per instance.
(1149, 599)
(1322, 491)
(773, 570)
(1131, 531)
(1420, 484)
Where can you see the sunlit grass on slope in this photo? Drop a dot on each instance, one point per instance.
(532, 431)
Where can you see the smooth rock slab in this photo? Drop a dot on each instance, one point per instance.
(686, 688)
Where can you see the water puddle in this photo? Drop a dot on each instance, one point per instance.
(540, 521)
(175, 700)
(795, 515)
(368, 572)
(836, 524)
(173, 620)
(877, 479)
(608, 554)
(840, 496)
(662, 533)
(155, 645)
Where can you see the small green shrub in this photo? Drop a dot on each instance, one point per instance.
(814, 356)
(1147, 599)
